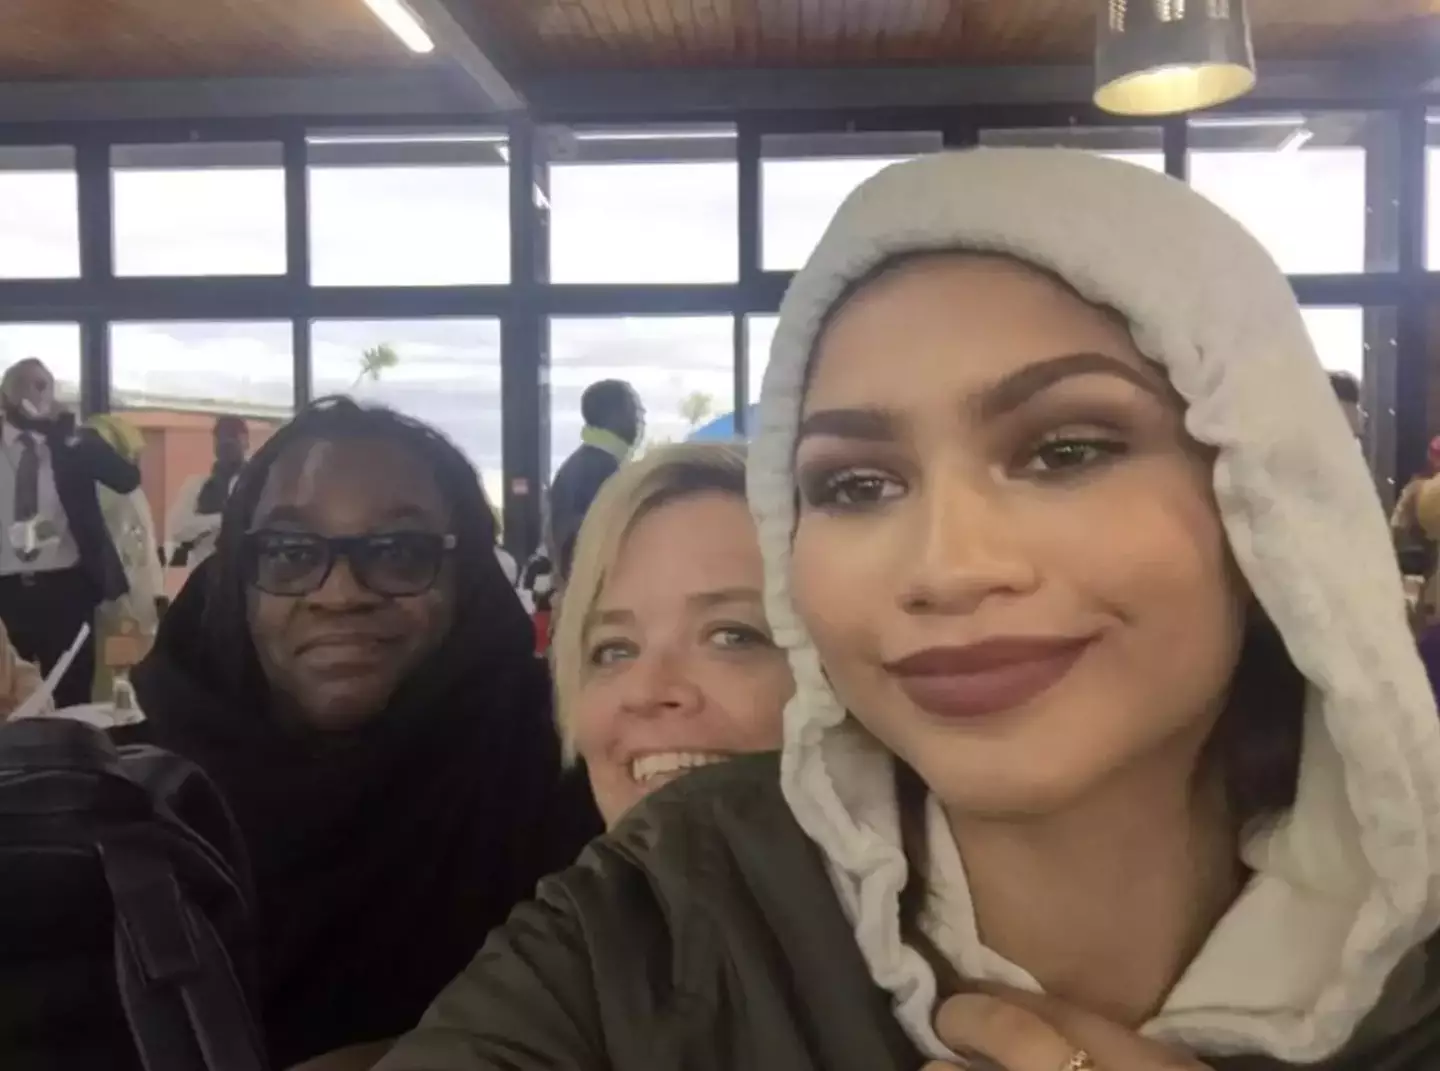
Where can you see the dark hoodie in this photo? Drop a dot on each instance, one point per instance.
(381, 859)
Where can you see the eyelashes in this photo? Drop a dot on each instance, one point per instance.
(1056, 459)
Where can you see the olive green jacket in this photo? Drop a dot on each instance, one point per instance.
(704, 935)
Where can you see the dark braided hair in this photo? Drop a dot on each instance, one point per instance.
(336, 419)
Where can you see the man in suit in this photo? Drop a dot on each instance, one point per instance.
(614, 421)
(57, 560)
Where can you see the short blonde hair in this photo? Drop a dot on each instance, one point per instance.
(665, 474)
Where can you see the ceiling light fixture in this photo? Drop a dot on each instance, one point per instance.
(402, 23)
(1167, 57)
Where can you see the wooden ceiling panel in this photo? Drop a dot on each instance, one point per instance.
(98, 39)
(555, 35)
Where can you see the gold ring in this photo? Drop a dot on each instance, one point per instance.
(1080, 1061)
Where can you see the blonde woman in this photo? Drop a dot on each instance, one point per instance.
(663, 659)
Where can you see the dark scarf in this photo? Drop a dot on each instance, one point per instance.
(381, 860)
(215, 491)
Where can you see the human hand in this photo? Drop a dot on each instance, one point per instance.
(1007, 1030)
(19, 679)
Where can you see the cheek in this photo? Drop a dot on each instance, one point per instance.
(1164, 567)
(753, 700)
(430, 617)
(827, 588)
(269, 621)
(594, 721)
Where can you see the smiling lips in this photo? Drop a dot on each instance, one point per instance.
(345, 650)
(960, 683)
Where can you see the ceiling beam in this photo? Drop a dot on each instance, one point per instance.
(577, 96)
(462, 42)
(433, 92)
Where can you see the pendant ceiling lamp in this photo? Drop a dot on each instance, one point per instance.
(1165, 57)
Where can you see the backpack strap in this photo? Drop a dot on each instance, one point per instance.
(186, 1008)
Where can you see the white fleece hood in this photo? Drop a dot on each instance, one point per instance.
(1349, 881)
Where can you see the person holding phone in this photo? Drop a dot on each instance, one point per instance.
(58, 562)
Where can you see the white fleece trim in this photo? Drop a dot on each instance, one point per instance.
(1347, 882)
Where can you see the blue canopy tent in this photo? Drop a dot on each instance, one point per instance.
(722, 428)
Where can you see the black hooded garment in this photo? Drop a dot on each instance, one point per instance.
(383, 857)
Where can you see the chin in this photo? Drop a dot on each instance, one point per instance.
(1014, 779)
(338, 713)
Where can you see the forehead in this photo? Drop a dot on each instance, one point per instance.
(952, 323)
(351, 482)
(701, 543)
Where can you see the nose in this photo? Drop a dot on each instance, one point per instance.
(342, 590)
(967, 546)
(657, 684)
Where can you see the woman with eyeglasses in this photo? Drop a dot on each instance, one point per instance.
(357, 675)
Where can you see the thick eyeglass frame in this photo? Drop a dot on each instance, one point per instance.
(353, 549)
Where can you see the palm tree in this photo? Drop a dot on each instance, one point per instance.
(374, 361)
(697, 407)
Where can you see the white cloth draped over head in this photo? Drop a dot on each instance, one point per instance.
(1349, 881)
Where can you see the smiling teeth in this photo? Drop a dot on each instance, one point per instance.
(648, 766)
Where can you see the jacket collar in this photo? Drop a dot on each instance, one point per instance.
(605, 440)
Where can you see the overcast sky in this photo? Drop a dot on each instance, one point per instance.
(610, 223)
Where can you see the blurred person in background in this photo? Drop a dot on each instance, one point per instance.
(357, 676)
(1415, 547)
(58, 561)
(132, 529)
(663, 658)
(193, 521)
(614, 423)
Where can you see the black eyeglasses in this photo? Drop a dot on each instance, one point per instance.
(393, 564)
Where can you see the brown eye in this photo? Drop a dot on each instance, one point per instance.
(1067, 456)
(851, 489)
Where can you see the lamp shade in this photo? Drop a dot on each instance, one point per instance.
(1165, 57)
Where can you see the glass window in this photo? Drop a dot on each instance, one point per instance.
(682, 367)
(644, 207)
(1361, 342)
(445, 372)
(1297, 182)
(805, 177)
(1432, 190)
(58, 345)
(409, 209)
(1143, 145)
(172, 380)
(39, 213)
(760, 333)
(199, 209)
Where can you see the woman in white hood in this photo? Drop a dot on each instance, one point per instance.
(1109, 732)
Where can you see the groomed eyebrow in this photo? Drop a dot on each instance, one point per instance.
(615, 618)
(725, 596)
(994, 400)
(701, 600)
(1012, 391)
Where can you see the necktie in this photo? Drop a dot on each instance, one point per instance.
(27, 480)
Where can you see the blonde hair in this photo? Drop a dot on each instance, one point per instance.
(1427, 507)
(665, 474)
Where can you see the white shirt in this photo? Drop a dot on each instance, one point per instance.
(54, 554)
(184, 524)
